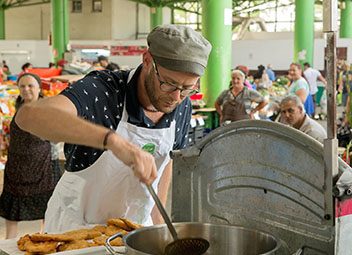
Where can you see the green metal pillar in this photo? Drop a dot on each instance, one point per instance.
(304, 31)
(156, 16)
(59, 35)
(66, 23)
(346, 19)
(2, 23)
(217, 28)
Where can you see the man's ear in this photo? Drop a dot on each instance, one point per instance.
(147, 58)
(300, 109)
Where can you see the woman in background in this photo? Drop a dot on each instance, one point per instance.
(300, 87)
(31, 171)
(235, 103)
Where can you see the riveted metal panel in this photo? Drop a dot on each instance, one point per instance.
(260, 175)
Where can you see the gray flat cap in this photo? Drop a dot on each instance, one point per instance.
(179, 48)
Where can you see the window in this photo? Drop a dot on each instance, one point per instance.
(77, 6)
(97, 6)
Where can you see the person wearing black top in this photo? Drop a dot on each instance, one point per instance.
(119, 127)
(104, 62)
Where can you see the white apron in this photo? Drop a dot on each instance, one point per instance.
(108, 188)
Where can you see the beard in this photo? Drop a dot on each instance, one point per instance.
(160, 100)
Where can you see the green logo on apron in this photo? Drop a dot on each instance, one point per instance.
(149, 147)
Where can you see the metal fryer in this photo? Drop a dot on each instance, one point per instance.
(260, 175)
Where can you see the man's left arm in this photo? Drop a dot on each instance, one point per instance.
(163, 189)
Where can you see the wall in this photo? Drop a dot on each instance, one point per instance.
(126, 14)
(34, 22)
(31, 22)
(124, 18)
(90, 25)
(117, 21)
(16, 53)
(278, 52)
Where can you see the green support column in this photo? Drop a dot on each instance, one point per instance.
(2, 23)
(217, 28)
(156, 16)
(59, 35)
(304, 31)
(66, 23)
(346, 19)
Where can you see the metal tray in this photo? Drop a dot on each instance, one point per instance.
(9, 247)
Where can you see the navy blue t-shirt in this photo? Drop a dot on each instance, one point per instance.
(99, 98)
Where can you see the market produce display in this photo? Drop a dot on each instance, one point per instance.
(40, 244)
(8, 95)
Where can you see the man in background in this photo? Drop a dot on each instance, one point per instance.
(312, 76)
(270, 72)
(293, 114)
(104, 62)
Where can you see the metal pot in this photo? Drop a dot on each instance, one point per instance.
(223, 239)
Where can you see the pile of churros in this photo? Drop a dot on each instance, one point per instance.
(40, 244)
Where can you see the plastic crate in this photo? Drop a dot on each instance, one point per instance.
(45, 72)
(48, 85)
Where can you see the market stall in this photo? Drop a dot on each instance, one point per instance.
(8, 94)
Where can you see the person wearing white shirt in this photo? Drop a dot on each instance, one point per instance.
(312, 76)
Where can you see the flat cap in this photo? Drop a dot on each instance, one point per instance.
(179, 48)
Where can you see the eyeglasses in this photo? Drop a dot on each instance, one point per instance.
(170, 87)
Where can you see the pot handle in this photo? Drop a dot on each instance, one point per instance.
(109, 247)
(300, 251)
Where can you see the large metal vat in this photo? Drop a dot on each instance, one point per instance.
(224, 240)
(260, 175)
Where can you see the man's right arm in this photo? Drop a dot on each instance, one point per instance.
(55, 119)
(323, 80)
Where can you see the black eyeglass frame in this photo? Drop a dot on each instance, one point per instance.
(173, 87)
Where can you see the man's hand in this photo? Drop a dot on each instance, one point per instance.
(141, 162)
(144, 167)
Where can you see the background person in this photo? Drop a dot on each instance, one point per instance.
(293, 114)
(31, 171)
(25, 67)
(104, 63)
(6, 70)
(300, 87)
(245, 71)
(345, 82)
(312, 76)
(109, 120)
(270, 73)
(235, 103)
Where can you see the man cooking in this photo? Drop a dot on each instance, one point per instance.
(119, 128)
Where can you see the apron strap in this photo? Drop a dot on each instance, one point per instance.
(124, 112)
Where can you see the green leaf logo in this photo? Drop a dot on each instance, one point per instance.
(149, 147)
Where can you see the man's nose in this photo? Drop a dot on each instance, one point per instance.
(176, 95)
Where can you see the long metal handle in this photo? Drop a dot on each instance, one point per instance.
(162, 212)
(109, 247)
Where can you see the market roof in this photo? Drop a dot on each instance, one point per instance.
(239, 6)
